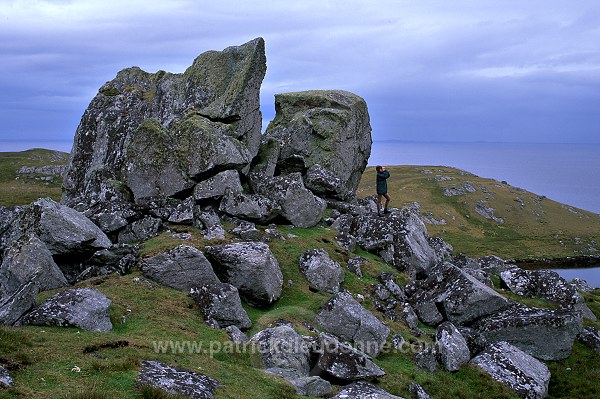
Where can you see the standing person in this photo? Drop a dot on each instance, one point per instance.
(382, 176)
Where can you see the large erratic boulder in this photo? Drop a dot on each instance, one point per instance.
(85, 308)
(345, 318)
(249, 266)
(525, 375)
(148, 135)
(182, 268)
(328, 128)
(176, 381)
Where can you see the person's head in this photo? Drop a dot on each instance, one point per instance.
(379, 168)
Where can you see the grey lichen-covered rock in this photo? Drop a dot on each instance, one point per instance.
(298, 204)
(418, 392)
(311, 386)
(400, 238)
(516, 369)
(427, 359)
(158, 134)
(14, 305)
(85, 308)
(283, 348)
(26, 261)
(182, 268)
(328, 128)
(220, 303)
(209, 222)
(542, 333)
(6, 380)
(321, 271)
(364, 390)
(340, 362)
(251, 268)
(590, 337)
(354, 265)
(183, 213)
(140, 230)
(176, 381)
(324, 183)
(253, 207)
(451, 347)
(451, 294)
(66, 231)
(236, 335)
(216, 185)
(344, 317)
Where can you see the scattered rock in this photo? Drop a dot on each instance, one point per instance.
(417, 392)
(176, 381)
(251, 268)
(451, 347)
(283, 348)
(487, 212)
(220, 303)
(340, 362)
(344, 317)
(321, 271)
(210, 224)
(354, 265)
(514, 368)
(311, 386)
(6, 380)
(85, 308)
(236, 335)
(582, 285)
(427, 359)
(590, 336)
(182, 268)
(16, 304)
(364, 390)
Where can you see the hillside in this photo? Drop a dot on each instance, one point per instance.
(18, 189)
(69, 363)
(526, 225)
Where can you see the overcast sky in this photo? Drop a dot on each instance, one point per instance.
(480, 70)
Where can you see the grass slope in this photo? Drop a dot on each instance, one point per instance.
(534, 226)
(67, 363)
(24, 191)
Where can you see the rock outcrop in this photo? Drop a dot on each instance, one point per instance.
(364, 390)
(321, 271)
(157, 134)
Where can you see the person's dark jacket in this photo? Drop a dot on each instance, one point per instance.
(382, 182)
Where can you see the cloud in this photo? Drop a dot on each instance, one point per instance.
(462, 69)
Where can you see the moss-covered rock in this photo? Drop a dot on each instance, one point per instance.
(329, 128)
(159, 134)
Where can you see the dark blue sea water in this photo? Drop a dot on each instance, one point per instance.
(567, 173)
